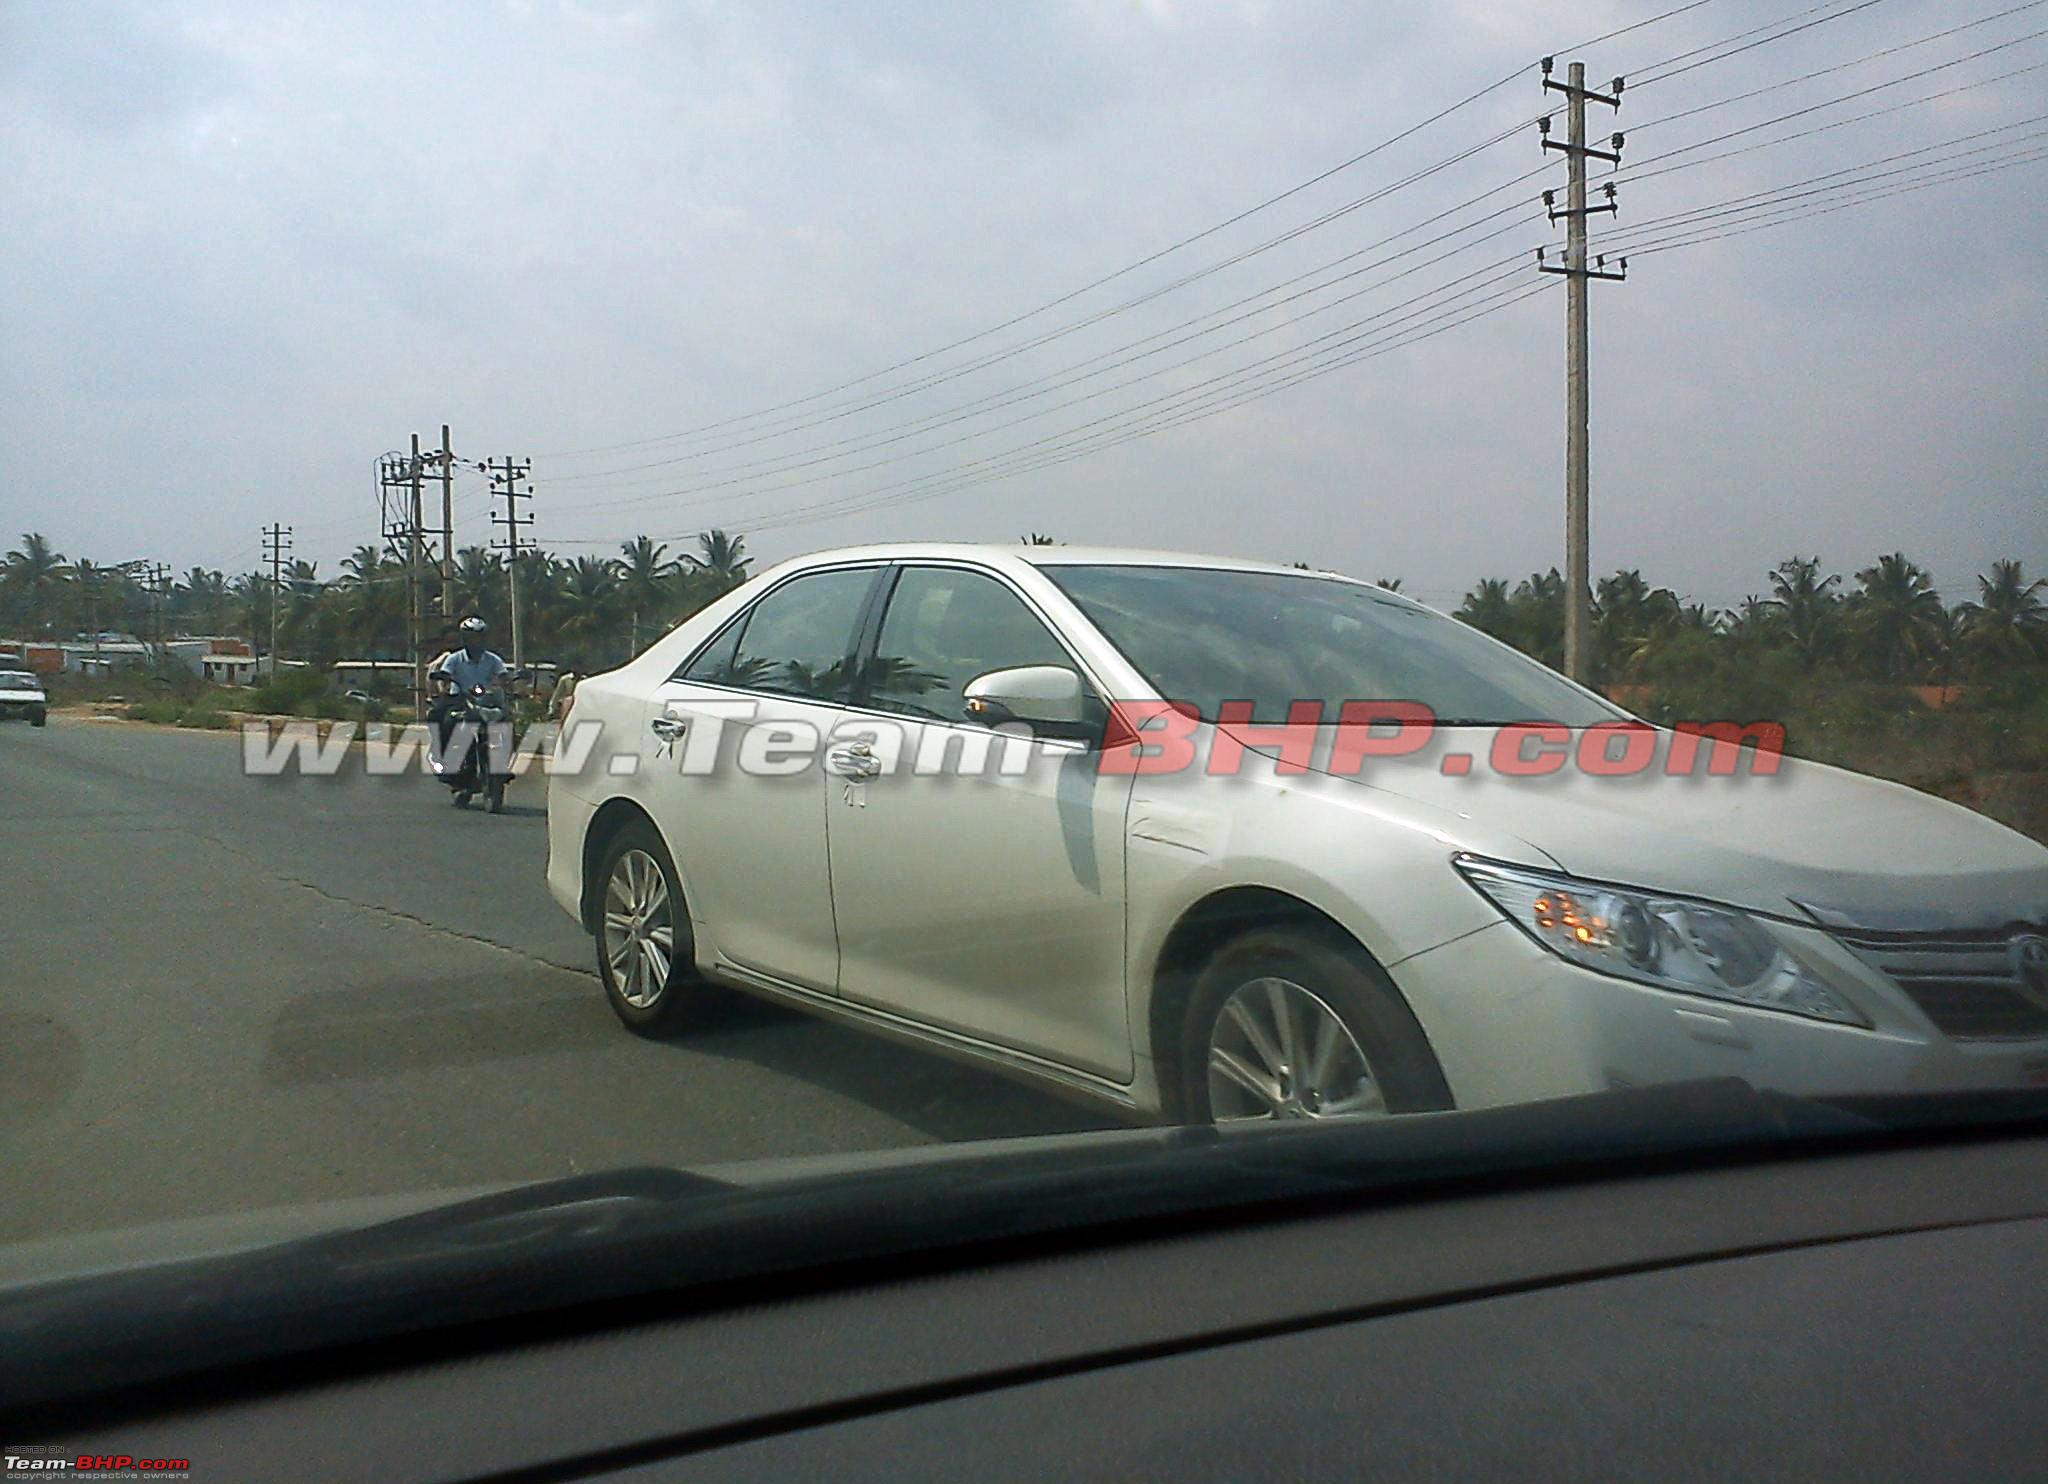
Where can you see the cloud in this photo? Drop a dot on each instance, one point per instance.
(299, 234)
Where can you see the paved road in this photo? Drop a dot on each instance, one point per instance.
(223, 993)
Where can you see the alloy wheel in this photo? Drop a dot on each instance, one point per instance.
(639, 928)
(1278, 1051)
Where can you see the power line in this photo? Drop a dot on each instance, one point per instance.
(1150, 258)
(1345, 352)
(1655, 76)
(1105, 279)
(1115, 358)
(857, 405)
(1836, 67)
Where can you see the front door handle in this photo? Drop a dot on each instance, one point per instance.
(857, 761)
(669, 728)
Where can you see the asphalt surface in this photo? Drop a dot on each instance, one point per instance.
(222, 993)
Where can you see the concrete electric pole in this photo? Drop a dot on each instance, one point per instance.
(414, 562)
(447, 526)
(505, 477)
(277, 541)
(1578, 602)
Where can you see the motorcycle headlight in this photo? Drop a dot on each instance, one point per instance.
(1672, 943)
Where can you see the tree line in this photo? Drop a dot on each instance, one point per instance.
(1887, 623)
(586, 612)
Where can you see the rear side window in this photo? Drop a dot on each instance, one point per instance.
(797, 641)
(713, 664)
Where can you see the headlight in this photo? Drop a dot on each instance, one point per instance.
(1669, 942)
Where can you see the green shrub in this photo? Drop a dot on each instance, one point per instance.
(205, 717)
(290, 694)
(163, 713)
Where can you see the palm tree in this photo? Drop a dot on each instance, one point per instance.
(723, 565)
(585, 615)
(2008, 622)
(201, 599)
(33, 576)
(644, 574)
(1806, 605)
(1630, 617)
(1037, 538)
(92, 591)
(1488, 608)
(1896, 616)
(479, 581)
(1536, 617)
(1391, 584)
(1751, 625)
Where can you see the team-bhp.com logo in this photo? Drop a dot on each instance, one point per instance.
(1146, 738)
(69, 1463)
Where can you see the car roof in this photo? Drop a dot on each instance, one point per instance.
(1049, 556)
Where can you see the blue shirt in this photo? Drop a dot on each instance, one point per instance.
(469, 673)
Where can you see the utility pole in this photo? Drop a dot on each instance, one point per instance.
(447, 526)
(1578, 601)
(277, 541)
(414, 561)
(157, 583)
(505, 477)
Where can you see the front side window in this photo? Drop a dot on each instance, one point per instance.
(944, 627)
(794, 642)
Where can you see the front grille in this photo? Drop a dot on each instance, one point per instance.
(1968, 985)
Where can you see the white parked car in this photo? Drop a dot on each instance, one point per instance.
(1409, 905)
(22, 697)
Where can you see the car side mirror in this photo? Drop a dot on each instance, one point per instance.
(1050, 699)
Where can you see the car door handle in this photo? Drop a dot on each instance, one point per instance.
(856, 761)
(668, 728)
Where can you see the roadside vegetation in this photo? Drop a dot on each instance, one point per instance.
(1874, 670)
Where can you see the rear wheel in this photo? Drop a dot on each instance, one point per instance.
(1286, 1024)
(644, 952)
(40, 719)
(494, 794)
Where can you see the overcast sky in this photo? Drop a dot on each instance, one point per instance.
(251, 246)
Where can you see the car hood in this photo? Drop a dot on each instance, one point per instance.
(1808, 841)
(17, 693)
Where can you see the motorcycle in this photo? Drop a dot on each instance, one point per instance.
(479, 715)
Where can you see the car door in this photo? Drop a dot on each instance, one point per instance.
(741, 798)
(988, 901)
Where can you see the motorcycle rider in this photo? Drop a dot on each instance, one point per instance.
(460, 671)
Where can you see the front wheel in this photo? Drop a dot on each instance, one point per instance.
(1285, 1025)
(39, 719)
(644, 952)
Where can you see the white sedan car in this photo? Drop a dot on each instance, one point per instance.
(1208, 839)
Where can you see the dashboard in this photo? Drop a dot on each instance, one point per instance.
(1871, 1315)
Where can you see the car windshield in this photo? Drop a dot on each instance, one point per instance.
(1209, 636)
(19, 680)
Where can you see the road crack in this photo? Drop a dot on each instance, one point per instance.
(393, 914)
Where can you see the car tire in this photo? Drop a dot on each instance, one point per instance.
(1380, 1064)
(39, 719)
(634, 869)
